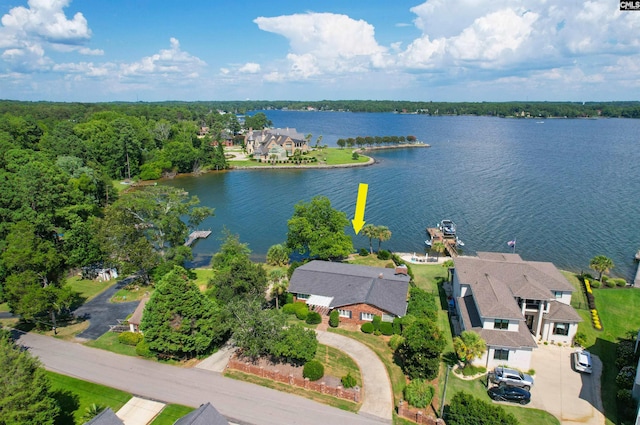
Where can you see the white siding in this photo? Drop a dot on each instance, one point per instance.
(518, 359)
(565, 298)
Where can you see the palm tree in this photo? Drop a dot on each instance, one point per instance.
(92, 411)
(369, 230)
(279, 285)
(601, 264)
(438, 247)
(469, 346)
(383, 234)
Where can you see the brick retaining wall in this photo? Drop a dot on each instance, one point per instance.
(417, 415)
(351, 394)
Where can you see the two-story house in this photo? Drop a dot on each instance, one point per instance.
(511, 304)
(282, 142)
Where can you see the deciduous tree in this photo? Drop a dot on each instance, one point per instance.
(318, 230)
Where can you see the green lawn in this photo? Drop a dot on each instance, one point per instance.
(88, 288)
(617, 308)
(74, 396)
(4, 307)
(202, 277)
(171, 413)
(337, 363)
(109, 341)
(328, 156)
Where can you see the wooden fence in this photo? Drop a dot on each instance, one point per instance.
(352, 394)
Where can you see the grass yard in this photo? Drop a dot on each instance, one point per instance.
(171, 413)
(4, 307)
(109, 341)
(135, 293)
(617, 308)
(75, 396)
(88, 288)
(338, 364)
(328, 156)
(202, 277)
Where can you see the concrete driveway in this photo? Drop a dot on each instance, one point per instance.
(570, 396)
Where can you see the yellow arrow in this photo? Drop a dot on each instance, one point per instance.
(358, 219)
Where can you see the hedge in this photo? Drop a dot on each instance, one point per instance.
(386, 328)
(130, 338)
(418, 393)
(334, 318)
(313, 318)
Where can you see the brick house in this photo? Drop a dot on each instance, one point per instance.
(511, 304)
(357, 292)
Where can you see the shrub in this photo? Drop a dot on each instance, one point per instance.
(383, 254)
(334, 318)
(363, 252)
(348, 381)
(396, 341)
(313, 318)
(302, 313)
(610, 283)
(367, 327)
(355, 156)
(389, 266)
(619, 282)
(376, 322)
(470, 370)
(313, 370)
(143, 350)
(467, 409)
(418, 393)
(625, 355)
(289, 308)
(625, 377)
(289, 299)
(595, 284)
(130, 338)
(580, 339)
(386, 328)
(397, 326)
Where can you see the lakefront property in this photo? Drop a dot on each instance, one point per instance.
(512, 304)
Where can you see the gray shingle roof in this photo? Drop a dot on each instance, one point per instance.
(353, 284)
(106, 417)
(560, 312)
(206, 414)
(494, 337)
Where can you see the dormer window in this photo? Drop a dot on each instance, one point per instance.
(501, 324)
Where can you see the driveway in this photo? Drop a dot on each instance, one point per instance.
(570, 396)
(102, 313)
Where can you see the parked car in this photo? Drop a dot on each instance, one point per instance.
(582, 361)
(510, 393)
(505, 376)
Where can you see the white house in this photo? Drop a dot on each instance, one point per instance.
(511, 304)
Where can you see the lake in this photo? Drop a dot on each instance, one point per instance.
(565, 189)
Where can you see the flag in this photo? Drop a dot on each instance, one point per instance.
(512, 243)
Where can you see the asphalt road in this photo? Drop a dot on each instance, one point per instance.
(239, 401)
(102, 313)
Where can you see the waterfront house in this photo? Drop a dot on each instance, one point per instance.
(282, 142)
(357, 292)
(136, 317)
(512, 304)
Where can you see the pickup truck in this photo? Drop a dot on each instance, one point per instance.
(504, 376)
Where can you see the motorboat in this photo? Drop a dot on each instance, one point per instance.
(428, 243)
(459, 242)
(448, 228)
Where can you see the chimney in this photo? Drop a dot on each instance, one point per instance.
(402, 269)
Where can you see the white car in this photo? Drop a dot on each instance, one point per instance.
(582, 361)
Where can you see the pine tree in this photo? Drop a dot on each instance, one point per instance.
(179, 320)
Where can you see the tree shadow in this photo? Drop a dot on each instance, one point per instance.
(69, 403)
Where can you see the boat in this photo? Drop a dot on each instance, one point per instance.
(428, 243)
(448, 228)
(459, 242)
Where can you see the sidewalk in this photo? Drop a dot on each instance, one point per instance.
(139, 411)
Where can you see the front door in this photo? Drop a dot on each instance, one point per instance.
(529, 318)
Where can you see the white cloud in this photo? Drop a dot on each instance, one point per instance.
(250, 68)
(172, 61)
(326, 43)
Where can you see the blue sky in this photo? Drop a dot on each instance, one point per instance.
(441, 50)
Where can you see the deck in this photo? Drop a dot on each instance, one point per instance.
(198, 234)
(449, 243)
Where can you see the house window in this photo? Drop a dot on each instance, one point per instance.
(366, 316)
(500, 354)
(345, 313)
(561, 329)
(302, 296)
(557, 294)
(500, 324)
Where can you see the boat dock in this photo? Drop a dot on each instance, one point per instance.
(198, 234)
(636, 281)
(449, 243)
